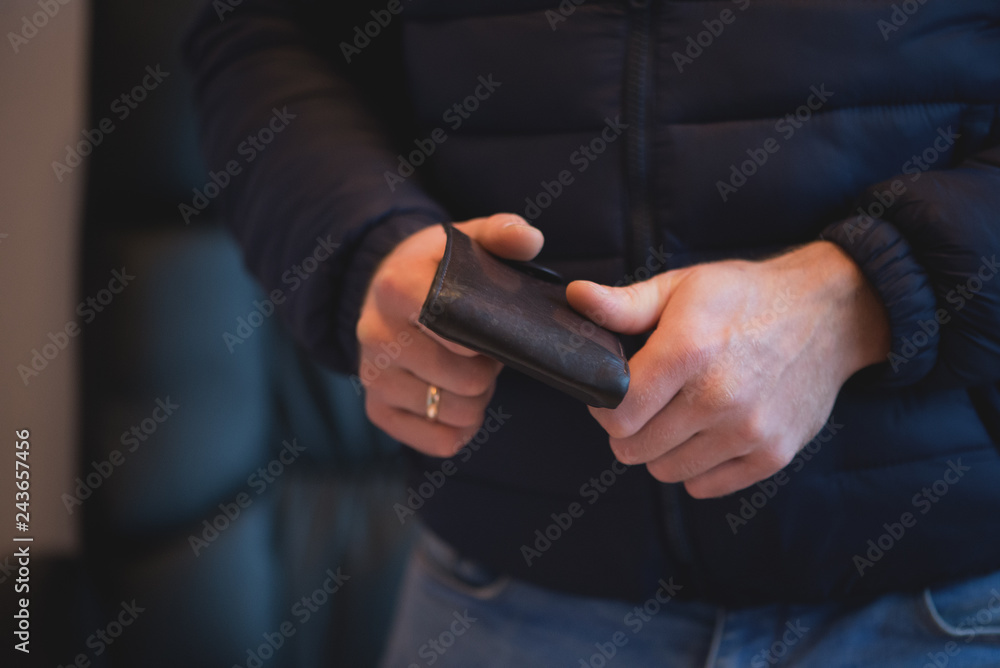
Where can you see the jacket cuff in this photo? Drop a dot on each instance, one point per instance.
(371, 249)
(886, 260)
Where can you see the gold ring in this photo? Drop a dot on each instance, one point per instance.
(433, 402)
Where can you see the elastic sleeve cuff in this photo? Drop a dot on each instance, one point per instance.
(886, 260)
(378, 242)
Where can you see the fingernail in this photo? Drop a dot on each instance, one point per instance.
(516, 222)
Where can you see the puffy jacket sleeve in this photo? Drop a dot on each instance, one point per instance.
(929, 244)
(270, 70)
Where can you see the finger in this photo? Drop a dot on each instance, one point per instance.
(456, 348)
(696, 456)
(435, 364)
(421, 352)
(400, 389)
(505, 234)
(632, 309)
(663, 431)
(398, 292)
(430, 437)
(657, 373)
(735, 474)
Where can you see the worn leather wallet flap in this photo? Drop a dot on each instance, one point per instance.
(517, 313)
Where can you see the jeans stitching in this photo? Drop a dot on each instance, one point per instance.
(952, 630)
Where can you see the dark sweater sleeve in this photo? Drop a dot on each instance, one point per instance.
(313, 136)
(929, 242)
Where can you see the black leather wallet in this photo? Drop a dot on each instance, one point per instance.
(516, 312)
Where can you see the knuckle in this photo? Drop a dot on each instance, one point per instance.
(619, 427)
(656, 471)
(476, 384)
(621, 453)
(626, 451)
(753, 428)
(699, 489)
(676, 469)
(391, 286)
(694, 353)
(687, 468)
(364, 330)
(715, 392)
(772, 459)
(663, 472)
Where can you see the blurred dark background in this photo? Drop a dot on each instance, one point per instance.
(149, 402)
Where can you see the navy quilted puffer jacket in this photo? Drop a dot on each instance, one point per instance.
(642, 136)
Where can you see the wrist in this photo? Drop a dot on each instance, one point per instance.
(853, 313)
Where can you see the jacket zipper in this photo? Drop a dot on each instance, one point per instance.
(637, 161)
(642, 236)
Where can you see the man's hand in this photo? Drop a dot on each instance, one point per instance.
(395, 398)
(743, 366)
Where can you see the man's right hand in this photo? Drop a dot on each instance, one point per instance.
(396, 396)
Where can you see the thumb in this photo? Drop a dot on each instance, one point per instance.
(506, 235)
(633, 309)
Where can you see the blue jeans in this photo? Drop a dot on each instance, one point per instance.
(453, 612)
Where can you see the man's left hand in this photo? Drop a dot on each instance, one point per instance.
(743, 365)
